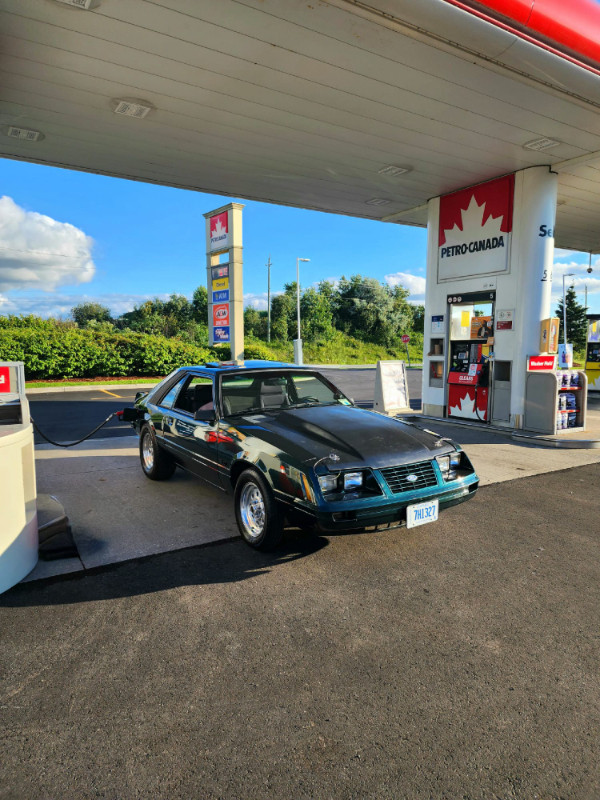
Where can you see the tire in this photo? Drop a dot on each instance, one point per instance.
(156, 464)
(258, 516)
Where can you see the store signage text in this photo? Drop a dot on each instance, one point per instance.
(472, 247)
(541, 363)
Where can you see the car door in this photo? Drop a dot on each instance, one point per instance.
(194, 442)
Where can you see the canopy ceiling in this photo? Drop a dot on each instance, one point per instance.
(299, 102)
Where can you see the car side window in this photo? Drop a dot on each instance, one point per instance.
(170, 397)
(197, 395)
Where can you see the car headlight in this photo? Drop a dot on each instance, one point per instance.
(449, 465)
(328, 483)
(353, 480)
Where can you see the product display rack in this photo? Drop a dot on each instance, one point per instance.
(543, 391)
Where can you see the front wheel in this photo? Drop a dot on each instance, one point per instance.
(157, 465)
(257, 514)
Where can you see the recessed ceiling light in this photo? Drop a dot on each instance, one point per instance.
(132, 108)
(393, 171)
(541, 144)
(23, 134)
(378, 201)
(85, 4)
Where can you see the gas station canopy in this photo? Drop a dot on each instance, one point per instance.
(360, 108)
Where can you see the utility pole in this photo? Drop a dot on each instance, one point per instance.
(268, 266)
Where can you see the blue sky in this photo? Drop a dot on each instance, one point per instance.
(119, 242)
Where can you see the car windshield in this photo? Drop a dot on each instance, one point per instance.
(273, 391)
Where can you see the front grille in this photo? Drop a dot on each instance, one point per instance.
(395, 477)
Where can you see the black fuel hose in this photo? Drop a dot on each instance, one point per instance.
(72, 444)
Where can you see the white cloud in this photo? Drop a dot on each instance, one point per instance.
(558, 253)
(37, 252)
(414, 283)
(576, 275)
(258, 300)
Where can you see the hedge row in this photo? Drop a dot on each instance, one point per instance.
(58, 352)
(74, 353)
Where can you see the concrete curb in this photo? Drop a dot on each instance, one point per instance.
(566, 444)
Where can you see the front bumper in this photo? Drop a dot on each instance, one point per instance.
(392, 513)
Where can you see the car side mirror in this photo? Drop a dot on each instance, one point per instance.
(205, 415)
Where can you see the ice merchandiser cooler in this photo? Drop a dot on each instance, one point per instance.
(592, 356)
(555, 400)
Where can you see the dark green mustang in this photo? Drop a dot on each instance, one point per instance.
(292, 447)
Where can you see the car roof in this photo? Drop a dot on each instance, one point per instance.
(232, 366)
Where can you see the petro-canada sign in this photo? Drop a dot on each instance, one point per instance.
(475, 230)
(219, 232)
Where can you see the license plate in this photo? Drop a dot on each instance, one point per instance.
(421, 513)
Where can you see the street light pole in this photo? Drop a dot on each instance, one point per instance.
(566, 275)
(298, 342)
(268, 265)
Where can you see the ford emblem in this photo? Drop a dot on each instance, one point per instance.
(412, 478)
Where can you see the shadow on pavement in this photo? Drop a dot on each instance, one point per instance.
(225, 562)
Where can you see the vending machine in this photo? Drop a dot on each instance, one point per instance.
(470, 349)
(592, 357)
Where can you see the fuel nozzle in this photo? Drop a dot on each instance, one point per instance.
(128, 414)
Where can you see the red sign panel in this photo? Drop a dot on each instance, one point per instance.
(405, 339)
(494, 201)
(221, 314)
(4, 379)
(463, 377)
(541, 363)
(468, 403)
(219, 231)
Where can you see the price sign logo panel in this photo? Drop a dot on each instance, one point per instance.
(221, 314)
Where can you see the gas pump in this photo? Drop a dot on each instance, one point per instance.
(592, 356)
(471, 339)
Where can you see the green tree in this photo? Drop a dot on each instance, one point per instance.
(173, 317)
(146, 317)
(576, 320)
(283, 314)
(200, 305)
(368, 310)
(316, 315)
(418, 322)
(84, 313)
(252, 322)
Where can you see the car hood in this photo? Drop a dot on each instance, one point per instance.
(359, 437)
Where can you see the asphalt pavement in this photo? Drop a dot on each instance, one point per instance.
(455, 660)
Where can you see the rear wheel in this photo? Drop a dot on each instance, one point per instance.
(258, 516)
(157, 465)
